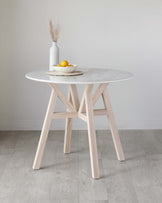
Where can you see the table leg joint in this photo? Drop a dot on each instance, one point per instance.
(86, 112)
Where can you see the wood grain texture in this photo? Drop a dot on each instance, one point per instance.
(75, 109)
(62, 97)
(82, 103)
(98, 92)
(91, 132)
(45, 130)
(113, 127)
(74, 96)
(68, 127)
(60, 115)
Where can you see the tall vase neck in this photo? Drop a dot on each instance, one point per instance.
(54, 43)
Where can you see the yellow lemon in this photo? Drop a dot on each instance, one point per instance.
(64, 63)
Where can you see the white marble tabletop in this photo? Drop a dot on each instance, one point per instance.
(90, 76)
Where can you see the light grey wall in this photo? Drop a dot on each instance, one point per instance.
(119, 34)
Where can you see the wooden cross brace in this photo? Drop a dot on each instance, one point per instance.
(84, 111)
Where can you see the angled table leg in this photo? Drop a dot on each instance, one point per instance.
(68, 128)
(73, 98)
(113, 127)
(91, 132)
(45, 130)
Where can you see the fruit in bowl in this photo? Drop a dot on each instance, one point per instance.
(64, 66)
(64, 63)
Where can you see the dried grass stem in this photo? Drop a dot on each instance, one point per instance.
(54, 31)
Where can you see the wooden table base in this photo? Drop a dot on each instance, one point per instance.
(84, 111)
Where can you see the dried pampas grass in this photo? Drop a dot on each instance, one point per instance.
(54, 31)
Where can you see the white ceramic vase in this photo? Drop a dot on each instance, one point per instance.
(53, 56)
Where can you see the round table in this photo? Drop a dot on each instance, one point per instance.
(83, 110)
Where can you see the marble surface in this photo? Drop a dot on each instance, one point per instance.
(90, 76)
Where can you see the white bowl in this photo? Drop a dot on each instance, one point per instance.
(65, 69)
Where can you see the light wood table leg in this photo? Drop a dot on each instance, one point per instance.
(68, 128)
(45, 130)
(85, 112)
(73, 98)
(91, 132)
(113, 127)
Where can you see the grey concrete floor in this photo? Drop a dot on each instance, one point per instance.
(67, 178)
